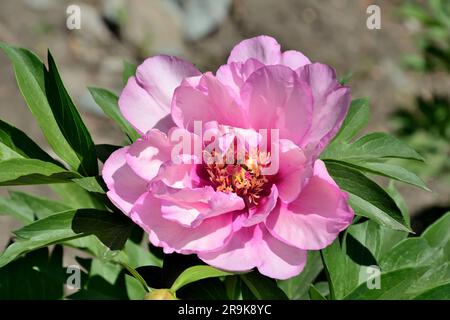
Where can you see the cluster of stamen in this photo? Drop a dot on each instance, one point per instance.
(242, 177)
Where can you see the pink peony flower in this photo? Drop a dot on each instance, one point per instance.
(233, 216)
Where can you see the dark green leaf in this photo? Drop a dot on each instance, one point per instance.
(389, 170)
(20, 143)
(30, 74)
(296, 288)
(104, 151)
(315, 294)
(36, 276)
(263, 288)
(69, 121)
(367, 198)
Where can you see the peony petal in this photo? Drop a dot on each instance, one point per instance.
(145, 100)
(315, 218)
(208, 101)
(190, 207)
(160, 75)
(331, 103)
(263, 209)
(279, 260)
(148, 153)
(139, 108)
(235, 74)
(255, 247)
(275, 98)
(263, 48)
(211, 234)
(124, 186)
(294, 59)
(293, 170)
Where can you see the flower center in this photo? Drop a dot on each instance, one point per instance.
(244, 179)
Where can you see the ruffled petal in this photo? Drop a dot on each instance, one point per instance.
(331, 103)
(124, 186)
(255, 247)
(211, 234)
(275, 98)
(315, 218)
(145, 100)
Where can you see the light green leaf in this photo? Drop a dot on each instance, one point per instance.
(16, 209)
(438, 293)
(112, 229)
(21, 171)
(129, 70)
(356, 119)
(372, 147)
(92, 184)
(40, 207)
(367, 198)
(108, 101)
(196, 273)
(438, 234)
(77, 197)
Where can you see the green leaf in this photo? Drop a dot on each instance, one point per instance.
(296, 288)
(414, 268)
(315, 294)
(31, 75)
(196, 273)
(21, 171)
(112, 229)
(16, 209)
(371, 147)
(108, 101)
(356, 119)
(367, 198)
(129, 70)
(419, 254)
(233, 287)
(389, 170)
(77, 197)
(21, 144)
(263, 288)
(37, 276)
(438, 235)
(92, 184)
(69, 121)
(39, 207)
(438, 293)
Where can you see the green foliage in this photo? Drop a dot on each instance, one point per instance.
(121, 266)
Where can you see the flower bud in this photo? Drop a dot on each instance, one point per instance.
(160, 294)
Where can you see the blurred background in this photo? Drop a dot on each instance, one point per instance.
(404, 67)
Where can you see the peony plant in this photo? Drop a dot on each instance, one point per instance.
(252, 182)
